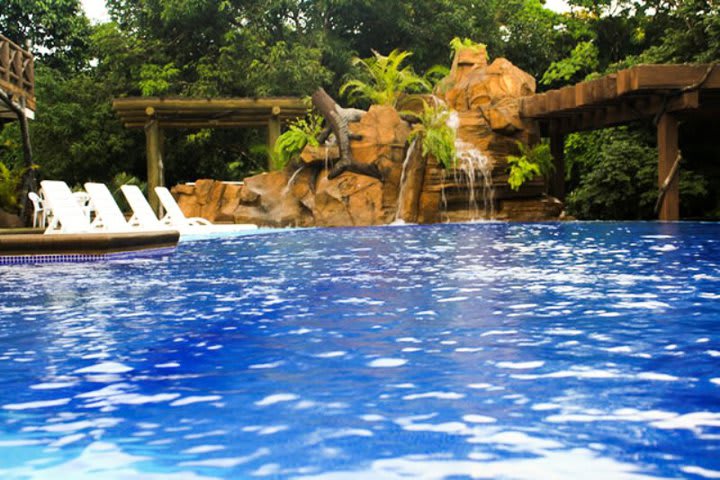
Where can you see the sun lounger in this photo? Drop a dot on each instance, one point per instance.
(143, 214)
(67, 215)
(108, 215)
(175, 218)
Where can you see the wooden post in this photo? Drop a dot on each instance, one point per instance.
(557, 149)
(155, 169)
(667, 140)
(274, 129)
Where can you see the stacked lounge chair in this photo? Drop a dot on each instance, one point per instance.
(67, 215)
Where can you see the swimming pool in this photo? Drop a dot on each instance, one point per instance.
(573, 350)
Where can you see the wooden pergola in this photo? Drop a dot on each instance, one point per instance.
(154, 115)
(666, 94)
(17, 79)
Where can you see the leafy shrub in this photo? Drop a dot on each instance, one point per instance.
(438, 138)
(388, 80)
(531, 163)
(301, 132)
(10, 183)
(457, 44)
(613, 175)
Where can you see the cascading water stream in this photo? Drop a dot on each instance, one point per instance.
(287, 188)
(471, 162)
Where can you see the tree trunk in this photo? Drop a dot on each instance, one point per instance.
(338, 121)
(29, 181)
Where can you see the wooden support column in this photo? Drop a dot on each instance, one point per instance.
(667, 140)
(274, 130)
(155, 169)
(557, 149)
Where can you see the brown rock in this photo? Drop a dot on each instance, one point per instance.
(275, 204)
(320, 155)
(186, 200)
(383, 134)
(349, 200)
(229, 203)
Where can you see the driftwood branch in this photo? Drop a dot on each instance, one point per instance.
(338, 119)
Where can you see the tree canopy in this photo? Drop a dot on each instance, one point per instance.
(290, 47)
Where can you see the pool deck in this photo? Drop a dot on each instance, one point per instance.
(31, 243)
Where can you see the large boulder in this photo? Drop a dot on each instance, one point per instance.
(267, 200)
(487, 101)
(349, 200)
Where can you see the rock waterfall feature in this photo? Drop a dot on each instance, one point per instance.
(390, 179)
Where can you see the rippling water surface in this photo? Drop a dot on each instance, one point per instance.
(455, 351)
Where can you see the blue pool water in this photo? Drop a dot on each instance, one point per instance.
(457, 351)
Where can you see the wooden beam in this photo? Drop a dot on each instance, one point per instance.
(666, 77)
(667, 140)
(155, 168)
(206, 104)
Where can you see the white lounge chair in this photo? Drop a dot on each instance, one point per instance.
(108, 215)
(67, 216)
(143, 214)
(175, 218)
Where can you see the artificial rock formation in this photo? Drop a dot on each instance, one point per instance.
(314, 192)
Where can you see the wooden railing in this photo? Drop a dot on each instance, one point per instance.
(17, 72)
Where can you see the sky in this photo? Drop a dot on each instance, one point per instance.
(96, 11)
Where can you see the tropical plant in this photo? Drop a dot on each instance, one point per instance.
(124, 178)
(531, 163)
(388, 79)
(438, 138)
(10, 182)
(457, 44)
(301, 132)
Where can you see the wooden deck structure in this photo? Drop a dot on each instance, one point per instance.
(17, 79)
(665, 94)
(154, 115)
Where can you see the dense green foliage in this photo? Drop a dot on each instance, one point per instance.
(290, 47)
(301, 132)
(532, 162)
(10, 180)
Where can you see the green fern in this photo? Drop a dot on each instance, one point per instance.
(388, 80)
(438, 139)
(531, 163)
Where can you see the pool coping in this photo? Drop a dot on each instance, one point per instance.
(34, 247)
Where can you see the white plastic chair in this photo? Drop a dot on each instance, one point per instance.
(83, 199)
(39, 210)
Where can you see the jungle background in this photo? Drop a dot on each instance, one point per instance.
(208, 48)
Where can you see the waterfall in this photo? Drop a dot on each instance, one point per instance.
(472, 162)
(287, 188)
(402, 192)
